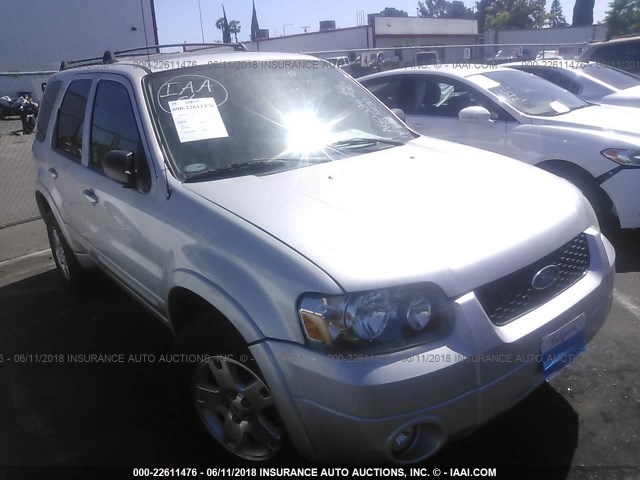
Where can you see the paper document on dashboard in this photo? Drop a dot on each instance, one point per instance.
(197, 119)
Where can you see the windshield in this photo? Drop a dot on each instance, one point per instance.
(528, 93)
(612, 76)
(280, 114)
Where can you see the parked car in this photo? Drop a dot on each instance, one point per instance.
(331, 276)
(429, 57)
(373, 61)
(591, 81)
(511, 54)
(620, 52)
(341, 62)
(528, 118)
(549, 55)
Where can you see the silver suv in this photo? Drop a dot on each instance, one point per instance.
(336, 282)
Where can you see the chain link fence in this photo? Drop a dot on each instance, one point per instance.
(359, 62)
(17, 175)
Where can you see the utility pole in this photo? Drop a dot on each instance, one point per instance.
(284, 33)
(201, 29)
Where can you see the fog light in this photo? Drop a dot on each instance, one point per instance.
(404, 440)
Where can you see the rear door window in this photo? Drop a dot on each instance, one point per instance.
(68, 137)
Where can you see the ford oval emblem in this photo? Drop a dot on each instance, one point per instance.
(545, 277)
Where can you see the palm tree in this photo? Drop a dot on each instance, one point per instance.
(234, 27)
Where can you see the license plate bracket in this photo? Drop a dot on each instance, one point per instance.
(561, 347)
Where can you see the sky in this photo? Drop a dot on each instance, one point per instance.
(179, 20)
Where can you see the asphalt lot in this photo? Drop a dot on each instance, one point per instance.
(119, 414)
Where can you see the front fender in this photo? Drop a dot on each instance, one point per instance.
(220, 299)
(536, 143)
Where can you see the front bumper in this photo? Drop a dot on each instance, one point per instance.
(349, 409)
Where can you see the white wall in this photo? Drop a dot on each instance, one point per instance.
(345, 38)
(548, 36)
(424, 26)
(37, 35)
(11, 84)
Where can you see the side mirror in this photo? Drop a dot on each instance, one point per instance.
(400, 114)
(474, 113)
(43, 86)
(120, 165)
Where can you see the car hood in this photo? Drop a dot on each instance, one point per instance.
(629, 97)
(427, 211)
(618, 119)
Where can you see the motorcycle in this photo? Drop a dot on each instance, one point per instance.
(28, 115)
(10, 107)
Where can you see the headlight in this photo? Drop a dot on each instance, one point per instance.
(378, 320)
(628, 158)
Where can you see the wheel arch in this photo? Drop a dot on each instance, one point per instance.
(581, 178)
(192, 295)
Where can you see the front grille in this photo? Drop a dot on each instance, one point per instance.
(511, 296)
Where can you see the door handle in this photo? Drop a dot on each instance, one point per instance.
(52, 171)
(90, 195)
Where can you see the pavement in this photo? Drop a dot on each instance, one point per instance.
(57, 412)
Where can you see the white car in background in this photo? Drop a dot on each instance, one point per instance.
(523, 116)
(549, 55)
(591, 81)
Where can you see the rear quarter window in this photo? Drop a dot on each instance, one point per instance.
(44, 115)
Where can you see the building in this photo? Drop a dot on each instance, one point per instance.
(37, 35)
(380, 33)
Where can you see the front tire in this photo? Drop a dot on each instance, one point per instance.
(221, 389)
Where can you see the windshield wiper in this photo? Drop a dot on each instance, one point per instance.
(246, 168)
(364, 141)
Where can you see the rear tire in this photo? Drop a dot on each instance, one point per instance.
(74, 276)
(222, 393)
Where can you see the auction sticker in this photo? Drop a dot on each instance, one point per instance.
(197, 119)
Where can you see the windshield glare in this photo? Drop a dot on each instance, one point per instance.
(217, 116)
(528, 93)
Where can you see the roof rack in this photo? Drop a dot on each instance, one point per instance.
(112, 56)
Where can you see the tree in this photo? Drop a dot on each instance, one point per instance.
(512, 14)
(623, 18)
(555, 15)
(583, 13)
(444, 9)
(481, 7)
(234, 26)
(393, 12)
